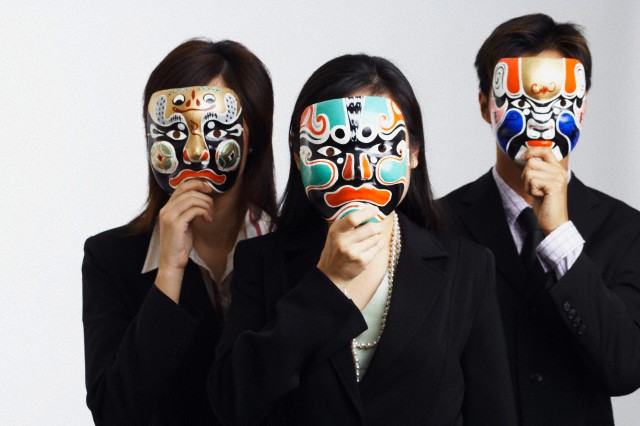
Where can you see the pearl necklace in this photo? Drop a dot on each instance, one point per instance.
(396, 245)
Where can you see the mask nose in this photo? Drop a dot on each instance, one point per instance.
(359, 168)
(195, 150)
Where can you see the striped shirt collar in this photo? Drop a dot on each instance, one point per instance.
(512, 203)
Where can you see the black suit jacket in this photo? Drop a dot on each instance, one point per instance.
(575, 343)
(284, 357)
(146, 358)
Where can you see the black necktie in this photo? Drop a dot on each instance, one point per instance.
(534, 235)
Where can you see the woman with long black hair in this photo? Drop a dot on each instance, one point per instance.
(357, 310)
(156, 291)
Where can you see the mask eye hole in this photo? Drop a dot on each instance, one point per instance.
(178, 133)
(209, 98)
(563, 103)
(216, 135)
(521, 104)
(329, 151)
(381, 148)
(178, 100)
(213, 133)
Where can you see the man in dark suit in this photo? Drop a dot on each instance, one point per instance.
(567, 256)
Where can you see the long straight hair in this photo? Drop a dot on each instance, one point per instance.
(195, 63)
(339, 78)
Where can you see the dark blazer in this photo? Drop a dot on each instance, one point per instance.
(284, 357)
(576, 342)
(146, 358)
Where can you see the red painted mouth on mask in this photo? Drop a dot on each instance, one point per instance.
(540, 142)
(200, 174)
(347, 194)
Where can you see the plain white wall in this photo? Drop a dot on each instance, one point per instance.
(72, 75)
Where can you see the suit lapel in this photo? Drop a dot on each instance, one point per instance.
(420, 276)
(342, 363)
(193, 296)
(302, 252)
(581, 202)
(483, 216)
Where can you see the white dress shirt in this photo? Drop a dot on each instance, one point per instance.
(255, 223)
(559, 250)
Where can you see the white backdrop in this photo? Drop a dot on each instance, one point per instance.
(72, 74)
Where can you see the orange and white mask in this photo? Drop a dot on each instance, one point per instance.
(537, 102)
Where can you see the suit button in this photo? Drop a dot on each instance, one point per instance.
(566, 306)
(535, 378)
(576, 322)
(571, 314)
(532, 311)
(581, 329)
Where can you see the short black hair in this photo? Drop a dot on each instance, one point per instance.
(529, 35)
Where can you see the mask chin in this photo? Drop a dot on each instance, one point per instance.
(355, 206)
(518, 157)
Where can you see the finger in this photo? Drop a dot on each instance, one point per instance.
(354, 246)
(538, 170)
(371, 246)
(550, 173)
(540, 183)
(371, 252)
(185, 202)
(342, 239)
(362, 232)
(190, 214)
(543, 153)
(360, 255)
(180, 205)
(534, 189)
(191, 194)
(537, 163)
(356, 218)
(192, 185)
(532, 179)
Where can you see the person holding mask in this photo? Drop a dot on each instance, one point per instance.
(156, 291)
(356, 310)
(567, 256)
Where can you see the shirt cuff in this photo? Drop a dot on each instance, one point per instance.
(560, 249)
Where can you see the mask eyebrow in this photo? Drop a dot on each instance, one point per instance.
(211, 116)
(220, 118)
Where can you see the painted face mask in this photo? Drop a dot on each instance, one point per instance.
(353, 152)
(537, 102)
(195, 133)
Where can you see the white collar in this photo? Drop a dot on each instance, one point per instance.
(256, 222)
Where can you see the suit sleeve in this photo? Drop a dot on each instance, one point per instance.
(601, 307)
(130, 357)
(488, 395)
(259, 359)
